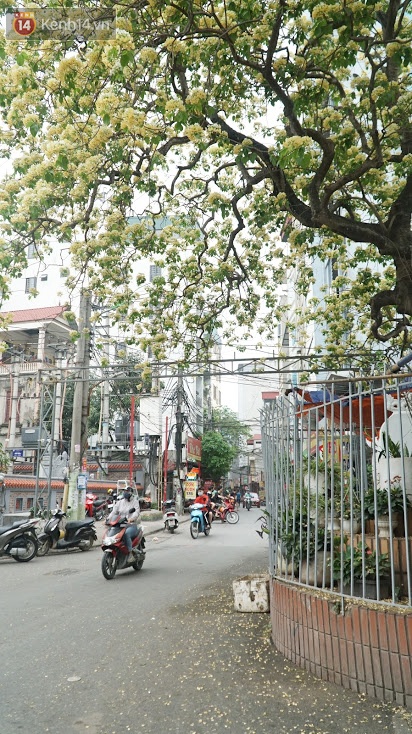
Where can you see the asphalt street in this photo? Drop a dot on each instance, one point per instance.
(161, 650)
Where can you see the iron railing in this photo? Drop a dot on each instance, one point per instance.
(338, 468)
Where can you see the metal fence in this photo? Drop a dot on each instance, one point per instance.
(338, 466)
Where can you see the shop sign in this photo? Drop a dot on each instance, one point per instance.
(190, 489)
(194, 449)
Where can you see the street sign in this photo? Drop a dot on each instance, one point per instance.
(17, 452)
(81, 481)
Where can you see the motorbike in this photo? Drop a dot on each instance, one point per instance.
(115, 553)
(170, 517)
(248, 503)
(226, 513)
(19, 540)
(113, 498)
(96, 508)
(145, 503)
(59, 535)
(198, 520)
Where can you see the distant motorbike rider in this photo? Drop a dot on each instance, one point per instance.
(247, 497)
(128, 508)
(203, 498)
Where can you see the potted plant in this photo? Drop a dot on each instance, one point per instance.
(299, 545)
(362, 565)
(377, 504)
(318, 474)
(392, 462)
(392, 448)
(349, 509)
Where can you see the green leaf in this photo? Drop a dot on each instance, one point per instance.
(62, 161)
(126, 57)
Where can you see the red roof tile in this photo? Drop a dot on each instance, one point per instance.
(34, 314)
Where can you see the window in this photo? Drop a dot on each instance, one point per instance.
(31, 284)
(19, 504)
(31, 251)
(30, 502)
(43, 277)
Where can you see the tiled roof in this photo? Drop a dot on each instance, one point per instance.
(28, 483)
(27, 468)
(34, 314)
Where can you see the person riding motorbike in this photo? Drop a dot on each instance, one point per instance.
(247, 496)
(127, 507)
(203, 498)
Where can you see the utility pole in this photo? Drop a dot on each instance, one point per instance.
(106, 402)
(77, 489)
(178, 441)
(131, 447)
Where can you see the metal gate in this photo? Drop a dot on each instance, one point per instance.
(338, 466)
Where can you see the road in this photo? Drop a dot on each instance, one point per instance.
(161, 650)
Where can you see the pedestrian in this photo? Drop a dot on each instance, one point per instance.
(238, 498)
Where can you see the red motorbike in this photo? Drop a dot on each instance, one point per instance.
(115, 553)
(227, 513)
(94, 507)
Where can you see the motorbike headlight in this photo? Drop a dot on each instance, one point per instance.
(111, 540)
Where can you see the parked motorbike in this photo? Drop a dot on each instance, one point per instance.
(115, 553)
(111, 501)
(19, 540)
(59, 535)
(90, 498)
(145, 503)
(170, 517)
(198, 520)
(226, 513)
(96, 508)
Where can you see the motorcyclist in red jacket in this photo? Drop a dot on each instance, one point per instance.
(204, 499)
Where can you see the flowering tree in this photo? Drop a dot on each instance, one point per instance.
(220, 123)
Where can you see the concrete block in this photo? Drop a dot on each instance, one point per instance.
(251, 593)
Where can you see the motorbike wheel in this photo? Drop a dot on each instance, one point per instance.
(207, 529)
(109, 565)
(99, 514)
(43, 547)
(31, 550)
(138, 565)
(171, 528)
(86, 544)
(194, 529)
(232, 517)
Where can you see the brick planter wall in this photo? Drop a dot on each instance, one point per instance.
(365, 649)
